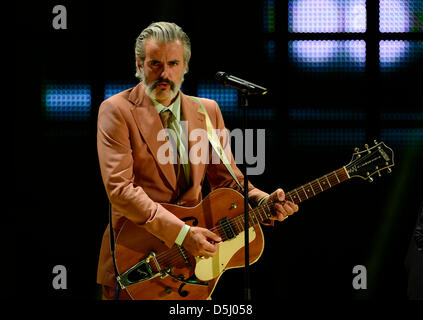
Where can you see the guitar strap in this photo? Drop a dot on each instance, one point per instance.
(215, 142)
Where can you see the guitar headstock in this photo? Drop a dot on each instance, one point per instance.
(370, 161)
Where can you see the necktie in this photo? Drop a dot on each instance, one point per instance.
(166, 117)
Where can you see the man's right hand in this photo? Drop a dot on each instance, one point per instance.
(201, 242)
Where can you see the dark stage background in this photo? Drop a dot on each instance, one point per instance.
(59, 204)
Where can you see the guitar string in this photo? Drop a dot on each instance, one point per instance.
(238, 220)
(220, 228)
(226, 226)
(175, 256)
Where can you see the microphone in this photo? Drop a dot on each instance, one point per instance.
(240, 84)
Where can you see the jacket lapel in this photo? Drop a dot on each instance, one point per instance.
(149, 124)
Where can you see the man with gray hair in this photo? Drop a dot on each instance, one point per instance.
(137, 182)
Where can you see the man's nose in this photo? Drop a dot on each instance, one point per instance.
(165, 72)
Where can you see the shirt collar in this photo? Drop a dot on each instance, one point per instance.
(175, 107)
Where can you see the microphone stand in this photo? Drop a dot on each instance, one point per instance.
(247, 290)
(244, 88)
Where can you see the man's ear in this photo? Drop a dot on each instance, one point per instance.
(139, 64)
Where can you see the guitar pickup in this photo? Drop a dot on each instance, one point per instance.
(226, 226)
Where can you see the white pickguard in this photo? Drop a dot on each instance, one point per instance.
(210, 268)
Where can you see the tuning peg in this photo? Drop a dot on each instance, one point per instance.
(370, 179)
(389, 170)
(366, 146)
(356, 149)
(375, 141)
(379, 174)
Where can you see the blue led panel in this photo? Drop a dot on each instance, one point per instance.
(269, 15)
(328, 55)
(226, 97)
(253, 114)
(400, 16)
(110, 89)
(405, 137)
(401, 116)
(397, 54)
(326, 16)
(325, 114)
(270, 49)
(337, 137)
(67, 102)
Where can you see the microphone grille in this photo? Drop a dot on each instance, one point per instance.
(220, 76)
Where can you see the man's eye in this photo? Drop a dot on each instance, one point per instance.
(174, 63)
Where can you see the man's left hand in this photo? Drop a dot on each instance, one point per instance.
(284, 208)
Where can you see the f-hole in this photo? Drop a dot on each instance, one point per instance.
(194, 222)
(184, 293)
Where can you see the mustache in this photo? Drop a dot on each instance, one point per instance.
(160, 80)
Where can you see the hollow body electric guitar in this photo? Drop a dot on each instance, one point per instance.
(150, 270)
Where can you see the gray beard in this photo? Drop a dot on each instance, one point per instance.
(151, 87)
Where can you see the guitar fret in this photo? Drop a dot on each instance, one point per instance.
(250, 221)
(323, 182)
(319, 184)
(269, 211)
(334, 178)
(299, 198)
(305, 192)
(328, 181)
(302, 191)
(337, 177)
(259, 215)
(254, 216)
(312, 188)
(265, 214)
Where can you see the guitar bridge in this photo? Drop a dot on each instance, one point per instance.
(140, 272)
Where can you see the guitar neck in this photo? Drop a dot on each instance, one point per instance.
(298, 195)
(317, 186)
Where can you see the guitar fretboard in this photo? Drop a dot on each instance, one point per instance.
(298, 195)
